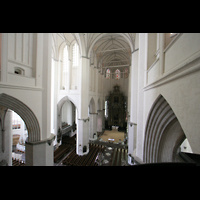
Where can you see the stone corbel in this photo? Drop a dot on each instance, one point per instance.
(85, 119)
(93, 113)
(135, 50)
(51, 139)
(3, 111)
(131, 123)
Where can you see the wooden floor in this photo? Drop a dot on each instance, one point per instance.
(114, 134)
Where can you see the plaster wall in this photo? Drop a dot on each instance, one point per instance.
(183, 96)
(178, 84)
(108, 85)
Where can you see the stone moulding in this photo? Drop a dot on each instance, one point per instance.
(25, 113)
(158, 138)
(85, 119)
(48, 140)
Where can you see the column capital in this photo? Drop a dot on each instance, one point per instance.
(48, 140)
(131, 123)
(85, 119)
(93, 113)
(85, 57)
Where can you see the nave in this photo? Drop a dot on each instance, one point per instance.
(100, 154)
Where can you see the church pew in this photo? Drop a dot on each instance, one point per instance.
(67, 160)
(60, 151)
(82, 160)
(73, 158)
(16, 162)
(87, 160)
(92, 158)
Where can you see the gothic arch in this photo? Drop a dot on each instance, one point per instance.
(62, 101)
(25, 113)
(92, 106)
(163, 133)
(99, 104)
(59, 108)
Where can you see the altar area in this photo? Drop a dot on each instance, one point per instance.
(113, 134)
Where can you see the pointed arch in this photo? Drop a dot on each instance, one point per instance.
(107, 73)
(117, 74)
(92, 106)
(25, 113)
(61, 102)
(99, 104)
(126, 73)
(59, 109)
(163, 133)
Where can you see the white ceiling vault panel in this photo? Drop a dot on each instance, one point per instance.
(108, 48)
(113, 47)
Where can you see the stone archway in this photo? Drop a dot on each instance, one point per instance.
(163, 133)
(59, 108)
(25, 113)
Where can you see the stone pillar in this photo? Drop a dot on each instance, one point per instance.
(93, 126)
(103, 120)
(6, 135)
(40, 153)
(83, 119)
(99, 121)
(142, 66)
(162, 46)
(82, 137)
(132, 129)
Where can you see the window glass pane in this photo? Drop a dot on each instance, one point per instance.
(75, 55)
(117, 74)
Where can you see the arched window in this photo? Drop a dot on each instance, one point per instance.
(117, 74)
(108, 74)
(65, 68)
(75, 55)
(126, 73)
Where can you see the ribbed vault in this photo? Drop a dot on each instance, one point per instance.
(113, 49)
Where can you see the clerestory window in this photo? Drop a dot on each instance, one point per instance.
(117, 74)
(75, 55)
(108, 74)
(65, 67)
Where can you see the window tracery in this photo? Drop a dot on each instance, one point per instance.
(65, 67)
(117, 74)
(126, 73)
(108, 74)
(75, 55)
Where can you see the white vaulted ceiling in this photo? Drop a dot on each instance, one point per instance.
(109, 49)
(113, 49)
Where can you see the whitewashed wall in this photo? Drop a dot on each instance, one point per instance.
(178, 84)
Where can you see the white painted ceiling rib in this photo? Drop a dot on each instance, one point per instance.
(112, 47)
